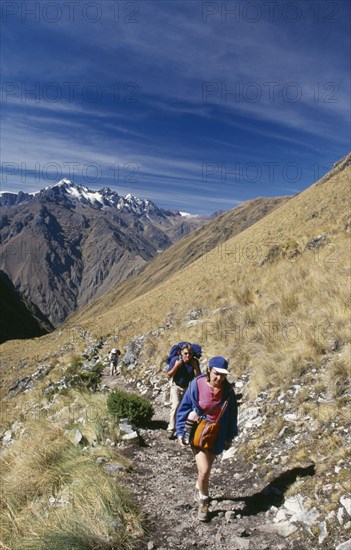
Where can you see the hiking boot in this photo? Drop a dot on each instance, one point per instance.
(171, 434)
(202, 514)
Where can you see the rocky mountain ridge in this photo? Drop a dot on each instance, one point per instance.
(67, 191)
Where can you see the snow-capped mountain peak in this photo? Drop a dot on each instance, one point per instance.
(64, 181)
(71, 193)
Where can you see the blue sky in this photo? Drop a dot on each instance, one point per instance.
(196, 105)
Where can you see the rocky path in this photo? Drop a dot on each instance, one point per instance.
(242, 508)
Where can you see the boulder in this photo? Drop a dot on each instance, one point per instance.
(345, 501)
(7, 437)
(131, 438)
(323, 533)
(114, 468)
(294, 505)
(284, 529)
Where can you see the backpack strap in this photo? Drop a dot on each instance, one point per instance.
(223, 404)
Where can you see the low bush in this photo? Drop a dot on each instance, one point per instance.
(89, 379)
(75, 364)
(138, 410)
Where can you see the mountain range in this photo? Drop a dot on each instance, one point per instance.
(66, 245)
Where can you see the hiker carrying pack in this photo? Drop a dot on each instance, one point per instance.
(176, 350)
(113, 359)
(183, 367)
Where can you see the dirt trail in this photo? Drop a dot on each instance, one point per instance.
(163, 482)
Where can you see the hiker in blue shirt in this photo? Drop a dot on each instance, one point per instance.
(212, 398)
(182, 370)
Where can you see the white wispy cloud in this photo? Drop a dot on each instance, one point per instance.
(185, 68)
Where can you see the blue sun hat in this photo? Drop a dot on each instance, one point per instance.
(219, 364)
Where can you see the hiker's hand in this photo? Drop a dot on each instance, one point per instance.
(227, 445)
(180, 441)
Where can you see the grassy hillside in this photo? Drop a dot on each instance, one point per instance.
(189, 249)
(276, 269)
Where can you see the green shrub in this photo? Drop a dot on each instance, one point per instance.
(138, 410)
(85, 378)
(75, 365)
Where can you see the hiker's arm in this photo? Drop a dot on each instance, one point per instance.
(175, 367)
(183, 411)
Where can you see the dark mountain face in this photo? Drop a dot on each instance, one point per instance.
(11, 199)
(19, 318)
(67, 245)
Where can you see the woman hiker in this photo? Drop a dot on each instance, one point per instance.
(182, 369)
(209, 396)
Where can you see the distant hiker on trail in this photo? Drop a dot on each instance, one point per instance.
(113, 358)
(209, 409)
(182, 369)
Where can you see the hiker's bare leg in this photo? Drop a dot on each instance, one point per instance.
(204, 461)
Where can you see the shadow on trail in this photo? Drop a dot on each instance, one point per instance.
(157, 425)
(271, 495)
(152, 425)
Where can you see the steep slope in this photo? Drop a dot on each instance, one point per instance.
(207, 239)
(278, 242)
(19, 320)
(66, 244)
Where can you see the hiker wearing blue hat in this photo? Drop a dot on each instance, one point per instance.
(208, 409)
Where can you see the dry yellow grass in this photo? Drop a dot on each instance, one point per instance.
(54, 495)
(233, 275)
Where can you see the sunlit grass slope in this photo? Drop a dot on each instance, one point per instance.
(275, 269)
(189, 249)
